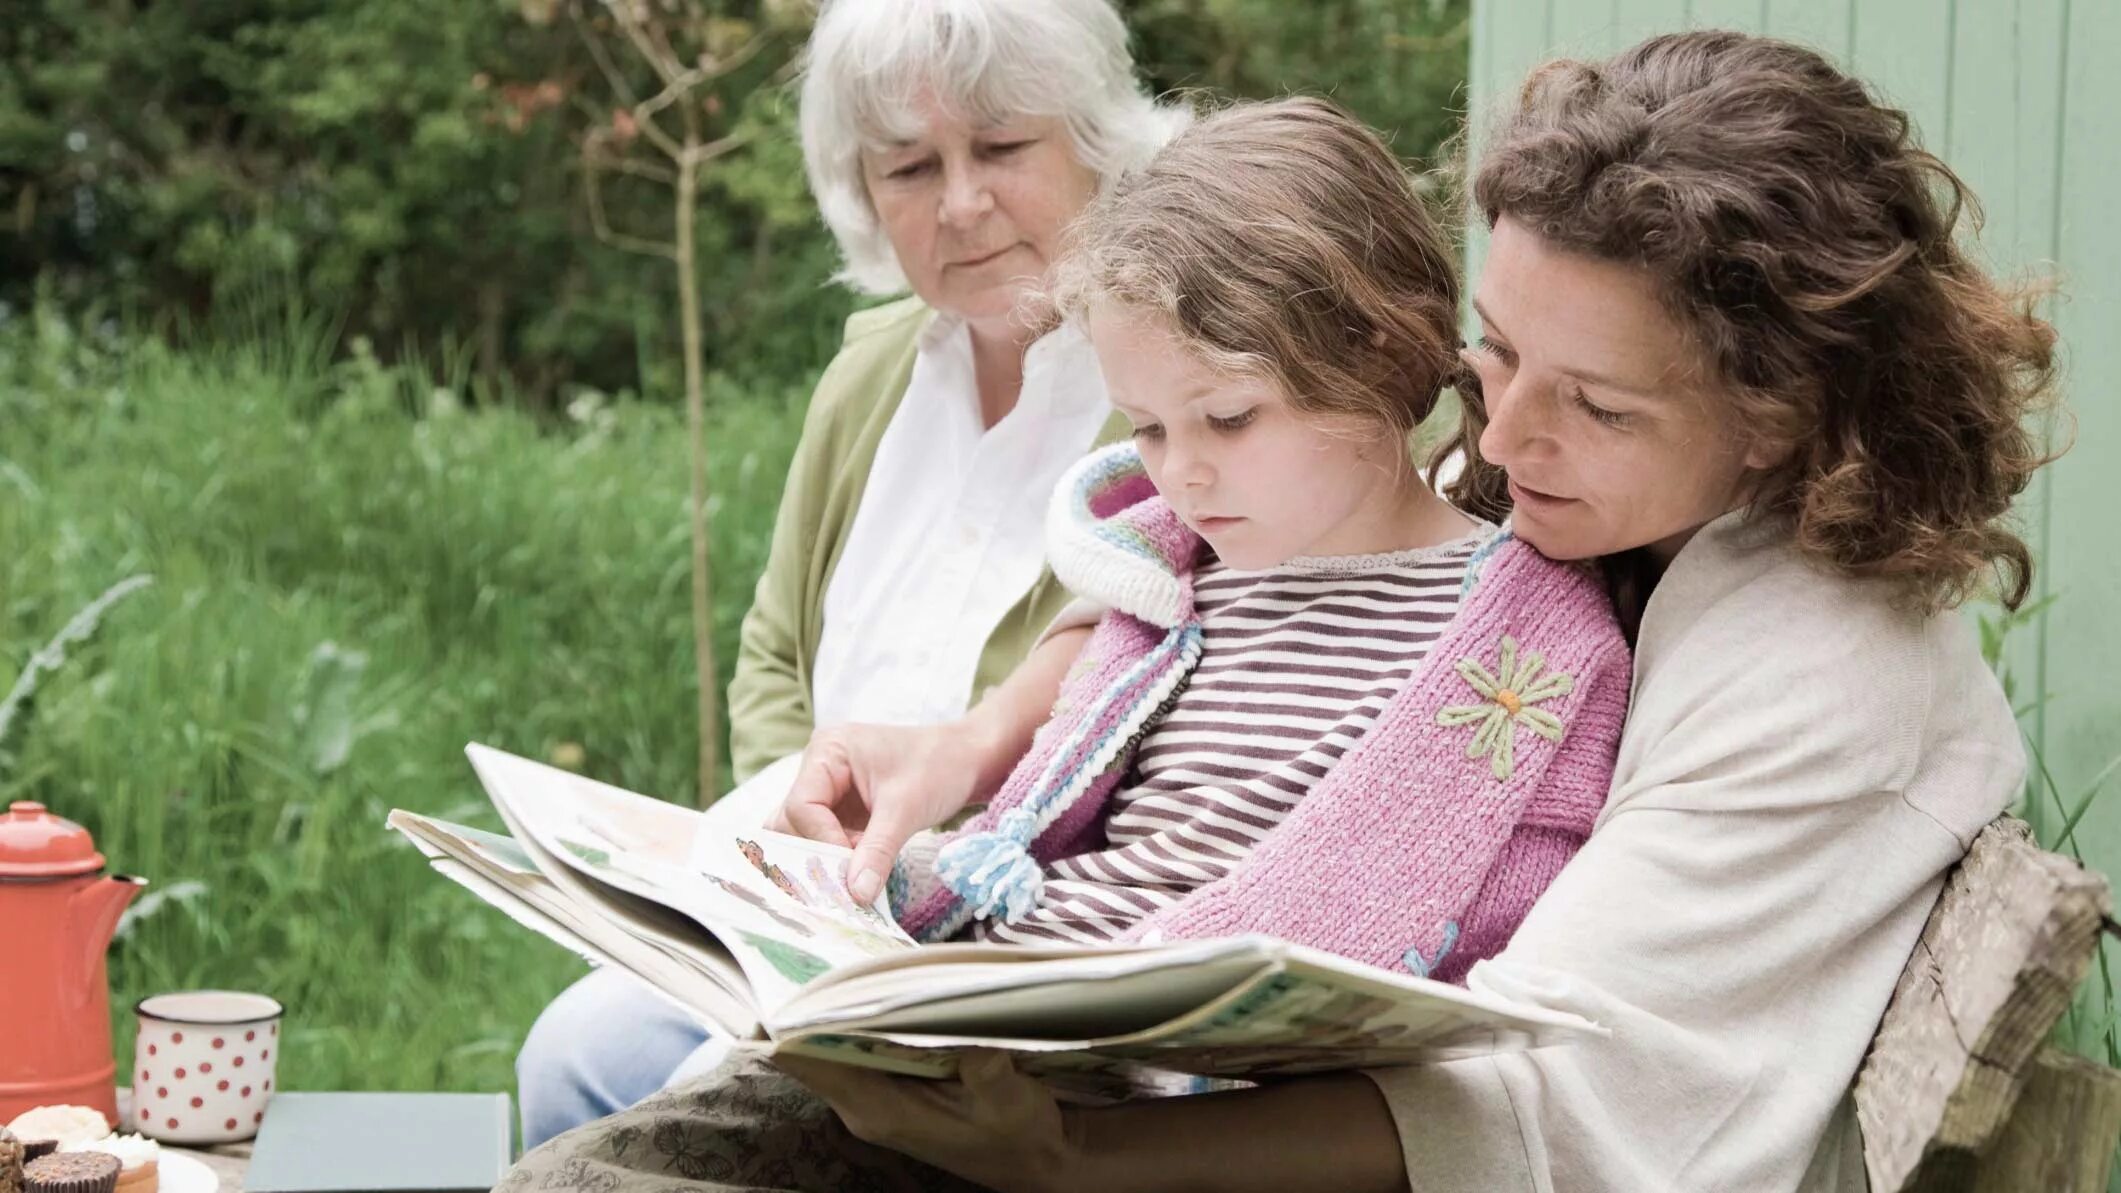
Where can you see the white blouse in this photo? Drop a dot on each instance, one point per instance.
(948, 536)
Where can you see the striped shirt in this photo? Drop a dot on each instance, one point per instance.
(1297, 662)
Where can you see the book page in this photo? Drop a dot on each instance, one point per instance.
(702, 979)
(1239, 1006)
(765, 899)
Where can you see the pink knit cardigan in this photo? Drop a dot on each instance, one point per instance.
(1426, 844)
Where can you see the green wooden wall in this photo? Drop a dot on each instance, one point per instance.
(2015, 96)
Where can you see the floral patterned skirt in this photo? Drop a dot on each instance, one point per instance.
(745, 1125)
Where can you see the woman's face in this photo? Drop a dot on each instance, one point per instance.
(1599, 409)
(975, 211)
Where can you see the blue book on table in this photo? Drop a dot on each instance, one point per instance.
(381, 1143)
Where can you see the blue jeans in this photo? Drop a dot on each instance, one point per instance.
(605, 1043)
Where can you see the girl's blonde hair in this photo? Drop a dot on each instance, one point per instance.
(1281, 240)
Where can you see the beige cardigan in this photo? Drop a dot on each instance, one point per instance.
(1801, 765)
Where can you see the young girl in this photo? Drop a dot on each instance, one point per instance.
(1324, 704)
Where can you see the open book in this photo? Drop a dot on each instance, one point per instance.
(755, 935)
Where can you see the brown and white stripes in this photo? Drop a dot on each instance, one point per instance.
(1297, 662)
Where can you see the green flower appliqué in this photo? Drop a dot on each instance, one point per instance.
(1507, 698)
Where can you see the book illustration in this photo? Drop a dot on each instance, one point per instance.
(815, 876)
(793, 963)
(588, 854)
(755, 853)
(747, 895)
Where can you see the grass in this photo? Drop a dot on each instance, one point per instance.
(355, 575)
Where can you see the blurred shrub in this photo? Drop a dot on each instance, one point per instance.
(411, 165)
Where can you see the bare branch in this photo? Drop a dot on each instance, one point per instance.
(658, 137)
(735, 61)
(665, 66)
(613, 76)
(677, 90)
(719, 147)
(636, 167)
(591, 179)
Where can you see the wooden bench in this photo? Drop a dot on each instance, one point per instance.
(1961, 1090)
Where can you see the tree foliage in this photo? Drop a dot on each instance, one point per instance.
(414, 166)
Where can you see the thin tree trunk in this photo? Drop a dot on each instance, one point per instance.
(696, 424)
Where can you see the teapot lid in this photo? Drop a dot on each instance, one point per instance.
(36, 844)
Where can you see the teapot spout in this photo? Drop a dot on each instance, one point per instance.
(96, 908)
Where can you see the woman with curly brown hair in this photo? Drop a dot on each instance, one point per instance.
(1731, 352)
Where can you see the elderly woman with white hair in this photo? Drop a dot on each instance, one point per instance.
(948, 144)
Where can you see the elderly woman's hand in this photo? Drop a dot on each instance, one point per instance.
(992, 1126)
(870, 787)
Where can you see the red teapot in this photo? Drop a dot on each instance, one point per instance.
(58, 911)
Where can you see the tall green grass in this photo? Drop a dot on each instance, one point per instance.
(356, 574)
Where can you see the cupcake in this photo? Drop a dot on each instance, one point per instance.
(139, 1159)
(72, 1172)
(60, 1124)
(10, 1162)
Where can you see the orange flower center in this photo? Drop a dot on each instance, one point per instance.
(1509, 701)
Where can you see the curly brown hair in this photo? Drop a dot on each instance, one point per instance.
(1282, 240)
(1805, 240)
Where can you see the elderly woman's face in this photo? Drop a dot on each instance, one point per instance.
(1596, 405)
(975, 211)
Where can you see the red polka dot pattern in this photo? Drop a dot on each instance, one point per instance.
(198, 1102)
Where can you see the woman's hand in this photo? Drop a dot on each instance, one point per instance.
(869, 787)
(992, 1125)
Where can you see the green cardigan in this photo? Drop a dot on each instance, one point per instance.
(770, 711)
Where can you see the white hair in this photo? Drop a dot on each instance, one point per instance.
(990, 60)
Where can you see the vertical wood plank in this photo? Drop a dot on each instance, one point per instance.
(1748, 15)
(1583, 28)
(1983, 117)
(1510, 37)
(1634, 20)
(1903, 48)
(2023, 235)
(2083, 730)
(1820, 24)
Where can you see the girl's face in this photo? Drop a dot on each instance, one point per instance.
(1261, 482)
(1598, 407)
(974, 211)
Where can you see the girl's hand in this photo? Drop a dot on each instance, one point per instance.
(869, 787)
(992, 1125)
